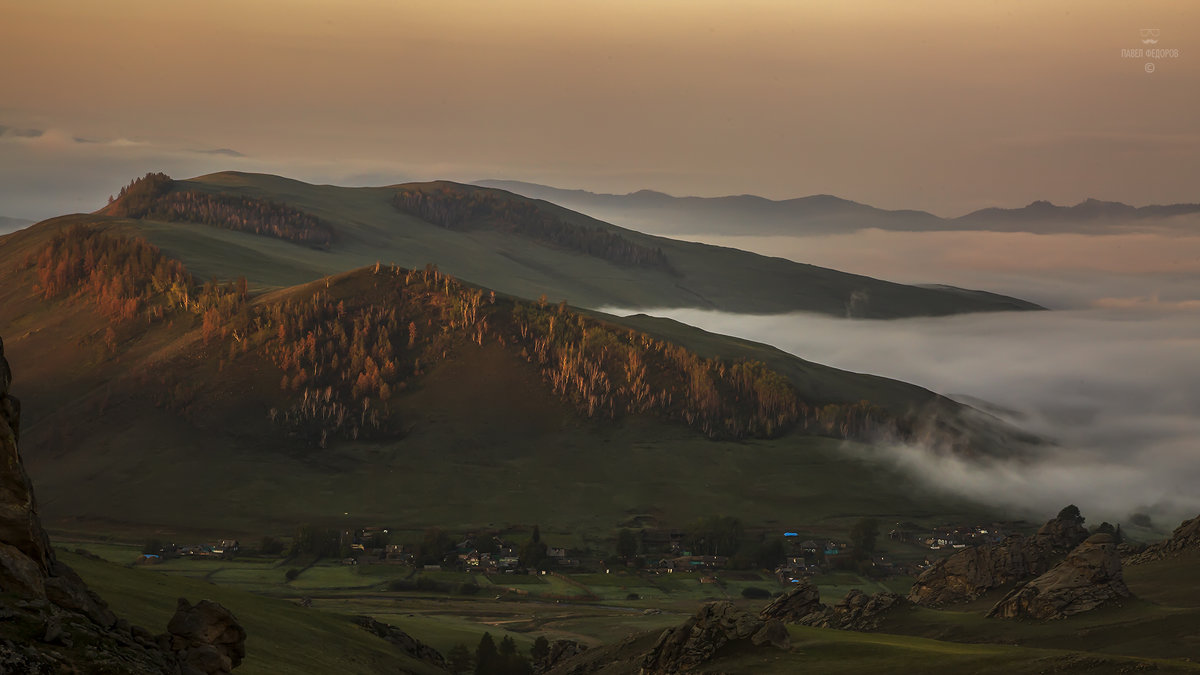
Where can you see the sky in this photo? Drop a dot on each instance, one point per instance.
(942, 106)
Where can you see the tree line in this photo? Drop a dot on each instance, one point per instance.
(476, 209)
(126, 278)
(346, 352)
(155, 197)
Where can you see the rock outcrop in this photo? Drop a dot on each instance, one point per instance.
(206, 637)
(857, 611)
(697, 640)
(1185, 538)
(50, 622)
(971, 572)
(1086, 579)
(19, 525)
(799, 602)
(560, 651)
(407, 643)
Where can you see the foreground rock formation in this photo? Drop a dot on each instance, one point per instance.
(800, 602)
(1088, 578)
(206, 637)
(50, 622)
(405, 642)
(715, 625)
(858, 611)
(1185, 538)
(971, 572)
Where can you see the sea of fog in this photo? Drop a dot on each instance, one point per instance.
(1113, 378)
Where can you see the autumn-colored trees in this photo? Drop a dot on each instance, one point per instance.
(474, 209)
(154, 196)
(126, 277)
(347, 351)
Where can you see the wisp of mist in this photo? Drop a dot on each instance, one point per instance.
(1117, 390)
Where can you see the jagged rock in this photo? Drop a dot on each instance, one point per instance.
(66, 590)
(1185, 537)
(560, 650)
(698, 639)
(407, 643)
(1088, 578)
(857, 611)
(54, 632)
(1065, 531)
(19, 524)
(800, 601)
(971, 572)
(53, 608)
(207, 624)
(19, 575)
(773, 633)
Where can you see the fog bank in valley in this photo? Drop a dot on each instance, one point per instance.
(1116, 388)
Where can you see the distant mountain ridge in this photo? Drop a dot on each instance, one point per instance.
(658, 212)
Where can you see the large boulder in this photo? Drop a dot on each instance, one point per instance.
(800, 601)
(972, 572)
(1186, 537)
(697, 640)
(1088, 578)
(207, 637)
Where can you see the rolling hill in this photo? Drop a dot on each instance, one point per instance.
(405, 395)
(825, 214)
(507, 243)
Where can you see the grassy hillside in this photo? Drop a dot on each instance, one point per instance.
(281, 636)
(366, 226)
(175, 417)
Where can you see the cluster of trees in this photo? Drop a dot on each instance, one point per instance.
(126, 277)
(465, 209)
(608, 371)
(154, 196)
(489, 659)
(345, 358)
(346, 351)
(725, 536)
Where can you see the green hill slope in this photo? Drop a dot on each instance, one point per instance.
(498, 245)
(409, 396)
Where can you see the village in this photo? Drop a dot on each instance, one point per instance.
(649, 551)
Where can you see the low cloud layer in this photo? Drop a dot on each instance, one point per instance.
(1117, 389)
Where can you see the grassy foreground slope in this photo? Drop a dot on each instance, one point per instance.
(281, 636)
(367, 228)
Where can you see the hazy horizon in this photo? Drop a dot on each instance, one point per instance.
(945, 107)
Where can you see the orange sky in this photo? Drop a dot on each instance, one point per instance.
(945, 106)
